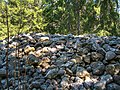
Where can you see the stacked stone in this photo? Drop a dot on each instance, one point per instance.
(61, 62)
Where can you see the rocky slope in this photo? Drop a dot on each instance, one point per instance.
(61, 62)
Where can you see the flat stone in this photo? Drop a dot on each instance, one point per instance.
(110, 55)
(106, 47)
(35, 85)
(68, 64)
(52, 73)
(68, 71)
(44, 39)
(47, 43)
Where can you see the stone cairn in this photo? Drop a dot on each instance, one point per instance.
(61, 62)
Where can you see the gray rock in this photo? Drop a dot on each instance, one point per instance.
(117, 51)
(68, 64)
(1, 61)
(100, 85)
(81, 72)
(116, 79)
(68, 71)
(64, 84)
(87, 58)
(110, 55)
(89, 68)
(85, 50)
(59, 63)
(62, 62)
(2, 73)
(113, 42)
(95, 46)
(43, 87)
(61, 72)
(3, 82)
(106, 47)
(37, 45)
(113, 69)
(34, 89)
(50, 87)
(97, 68)
(74, 86)
(78, 80)
(81, 87)
(107, 78)
(32, 59)
(52, 73)
(79, 59)
(63, 58)
(95, 56)
(47, 43)
(70, 35)
(113, 86)
(101, 51)
(77, 86)
(74, 69)
(88, 82)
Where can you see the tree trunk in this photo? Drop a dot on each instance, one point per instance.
(78, 16)
(78, 22)
(68, 24)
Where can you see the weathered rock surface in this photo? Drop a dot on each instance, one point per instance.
(113, 86)
(97, 68)
(61, 62)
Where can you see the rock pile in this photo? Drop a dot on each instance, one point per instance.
(61, 62)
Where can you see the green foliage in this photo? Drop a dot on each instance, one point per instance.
(23, 16)
(61, 16)
(103, 33)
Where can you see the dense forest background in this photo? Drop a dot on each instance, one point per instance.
(100, 17)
